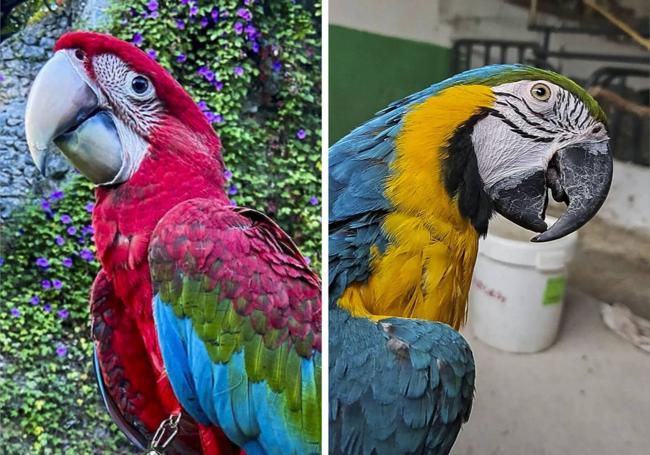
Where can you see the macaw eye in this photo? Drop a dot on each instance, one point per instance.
(541, 91)
(80, 54)
(140, 85)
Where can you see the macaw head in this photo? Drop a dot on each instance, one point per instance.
(105, 105)
(533, 131)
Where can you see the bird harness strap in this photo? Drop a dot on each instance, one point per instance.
(165, 434)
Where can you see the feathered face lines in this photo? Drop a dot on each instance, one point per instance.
(131, 95)
(543, 112)
(528, 123)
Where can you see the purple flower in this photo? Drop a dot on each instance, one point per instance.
(65, 219)
(63, 313)
(152, 5)
(61, 350)
(45, 205)
(209, 75)
(248, 2)
(2, 261)
(211, 116)
(72, 230)
(301, 134)
(218, 85)
(232, 189)
(86, 255)
(47, 307)
(276, 66)
(238, 28)
(238, 70)
(204, 22)
(313, 200)
(42, 263)
(250, 31)
(227, 174)
(56, 195)
(35, 300)
(202, 105)
(45, 284)
(87, 230)
(194, 10)
(15, 312)
(152, 53)
(90, 206)
(181, 58)
(244, 14)
(233, 203)
(180, 24)
(2, 77)
(57, 284)
(215, 14)
(307, 260)
(255, 47)
(137, 38)
(202, 70)
(59, 240)
(66, 262)
(184, 2)
(217, 118)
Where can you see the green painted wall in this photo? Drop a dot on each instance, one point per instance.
(368, 71)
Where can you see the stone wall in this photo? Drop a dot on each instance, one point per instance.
(23, 54)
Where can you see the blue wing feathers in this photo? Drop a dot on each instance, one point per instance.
(399, 397)
(240, 391)
(221, 394)
(179, 372)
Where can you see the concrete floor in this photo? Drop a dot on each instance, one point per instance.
(589, 393)
(613, 265)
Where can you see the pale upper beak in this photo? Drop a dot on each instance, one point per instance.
(63, 108)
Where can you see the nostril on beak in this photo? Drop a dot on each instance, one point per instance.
(597, 129)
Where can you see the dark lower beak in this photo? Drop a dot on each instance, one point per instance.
(579, 175)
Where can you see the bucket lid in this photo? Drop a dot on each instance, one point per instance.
(509, 243)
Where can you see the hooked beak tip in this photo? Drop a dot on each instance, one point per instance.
(580, 175)
(585, 176)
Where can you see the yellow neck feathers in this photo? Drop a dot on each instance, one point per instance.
(426, 269)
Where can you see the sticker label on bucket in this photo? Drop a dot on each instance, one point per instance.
(554, 290)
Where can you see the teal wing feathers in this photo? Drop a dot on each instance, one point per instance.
(400, 386)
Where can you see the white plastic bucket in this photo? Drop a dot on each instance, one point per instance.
(517, 293)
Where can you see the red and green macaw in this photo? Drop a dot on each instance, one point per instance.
(410, 193)
(200, 307)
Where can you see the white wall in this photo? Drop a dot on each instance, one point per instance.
(417, 20)
(628, 203)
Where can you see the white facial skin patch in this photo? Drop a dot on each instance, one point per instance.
(530, 122)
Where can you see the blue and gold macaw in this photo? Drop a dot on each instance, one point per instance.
(411, 191)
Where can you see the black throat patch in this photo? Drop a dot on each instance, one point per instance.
(462, 180)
